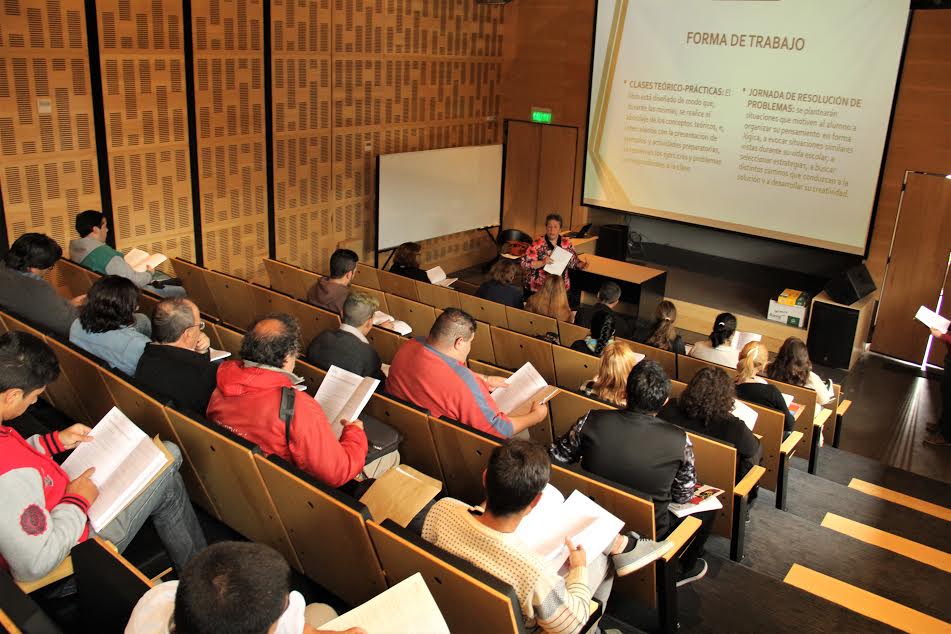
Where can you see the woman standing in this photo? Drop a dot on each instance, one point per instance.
(539, 254)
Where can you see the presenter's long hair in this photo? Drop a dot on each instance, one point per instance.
(610, 385)
(792, 364)
(753, 359)
(551, 300)
(664, 331)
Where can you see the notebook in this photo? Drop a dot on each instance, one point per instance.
(524, 387)
(559, 261)
(705, 498)
(343, 395)
(399, 327)
(139, 260)
(745, 413)
(438, 277)
(406, 607)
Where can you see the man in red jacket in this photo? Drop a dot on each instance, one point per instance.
(248, 402)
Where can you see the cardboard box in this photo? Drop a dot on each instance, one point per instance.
(789, 315)
(792, 297)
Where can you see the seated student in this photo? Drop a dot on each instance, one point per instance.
(406, 262)
(108, 326)
(551, 300)
(792, 365)
(432, 374)
(706, 406)
(718, 348)
(230, 587)
(500, 287)
(91, 251)
(752, 388)
(176, 365)
(601, 336)
(514, 479)
(44, 513)
(660, 333)
(609, 295)
(23, 289)
(610, 385)
(248, 402)
(348, 348)
(331, 292)
(638, 450)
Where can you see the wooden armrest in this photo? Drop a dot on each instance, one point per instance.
(63, 570)
(790, 443)
(758, 437)
(750, 480)
(821, 417)
(681, 536)
(843, 407)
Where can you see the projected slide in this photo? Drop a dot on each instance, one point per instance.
(766, 118)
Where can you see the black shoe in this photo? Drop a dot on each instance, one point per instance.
(698, 571)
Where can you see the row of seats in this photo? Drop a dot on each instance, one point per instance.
(324, 533)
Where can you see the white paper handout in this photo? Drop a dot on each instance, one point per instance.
(438, 277)
(932, 319)
(126, 461)
(524, 385)
(139, 260)
(343, 395)
(217, 355)
(559, 261)
(554, 518)
(705, 498)
(400, 327)
(406, 607)
(740, 339)
(788, 398)
(745, 413)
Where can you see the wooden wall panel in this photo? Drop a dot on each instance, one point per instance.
(48, 170)
(144, 98)
(229, 103)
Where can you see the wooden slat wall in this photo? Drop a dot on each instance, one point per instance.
(229, 104)
(143, 82)
(48, 170)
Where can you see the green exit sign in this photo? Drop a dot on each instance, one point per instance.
(541, 115)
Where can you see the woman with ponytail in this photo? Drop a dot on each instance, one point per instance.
(718, 347)
(602, 335)
(751, 387)
(660, 333)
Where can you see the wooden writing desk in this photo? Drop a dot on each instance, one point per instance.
(641, 286)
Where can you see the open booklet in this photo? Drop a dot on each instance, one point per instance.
(140, 261)
(554, 518)
(438, 277)
(126, 462)
(705, 498)
(406, 607)
(400, 327)
(794, 408)
(559, 261)
(745, 413)
(523, 388)
(400, 494)
(740, 339)
(932, 319)
(343, 395)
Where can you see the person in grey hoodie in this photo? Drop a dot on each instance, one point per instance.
(24, 291)
(91, 251)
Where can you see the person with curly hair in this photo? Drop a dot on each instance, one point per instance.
(610, 385)
(108, 326)
(706, 406)
(602, 335)
(792, 365)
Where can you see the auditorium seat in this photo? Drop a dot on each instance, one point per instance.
(196, 286)
(376, 294)
(573, 368)
(109, 586)
(368, 276)
(570, 333)
(288, 279)
(513, 350)
(419, 316)
(313, 320)
(385, 342)
(233, 298)
(397, 285)
(417, 448)
(438, 296)
(529, 323)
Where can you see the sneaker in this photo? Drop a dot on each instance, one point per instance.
(697, 572)
(937, 439)
(640, 552)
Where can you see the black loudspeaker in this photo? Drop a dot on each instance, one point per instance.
(832, 334)
(850, 286)
(612, 242)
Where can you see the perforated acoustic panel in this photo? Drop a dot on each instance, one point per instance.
(229, 103)
(48, 167)
(403, 75)
(144, 98)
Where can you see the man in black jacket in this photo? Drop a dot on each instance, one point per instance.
(608, 297)
(176, 365)
(638, 450)
(348, 347)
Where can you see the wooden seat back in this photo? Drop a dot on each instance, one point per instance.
(268, 301)
(437, 296)
(529, 323)
(769, 427)
(225, 465)
(567, 407)
(666, 358)
(312, 375)
(109, 586)
(312, 320)
(573, 368)
(366, 275)
(376, 294)
(385, 342)
(484, 310)
(687, 368)
(463, 453)
(807, 398)
(19, 613)
(327, 531)
(75, 277)
(471, 601)
(420, 317)
(417, 449)
(289, 279)
(399, 285)
(229, 339)
(233, 297)
(716, 465)
(193, 278)
(513, 350)
(85, 379)
(570, 333)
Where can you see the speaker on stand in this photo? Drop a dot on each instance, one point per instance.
(612, 242)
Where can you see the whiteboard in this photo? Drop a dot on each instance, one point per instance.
(424, 195)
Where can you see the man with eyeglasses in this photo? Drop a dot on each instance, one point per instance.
(176, 365)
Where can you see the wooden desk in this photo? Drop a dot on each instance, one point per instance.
(641, 286)
(584, 245)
